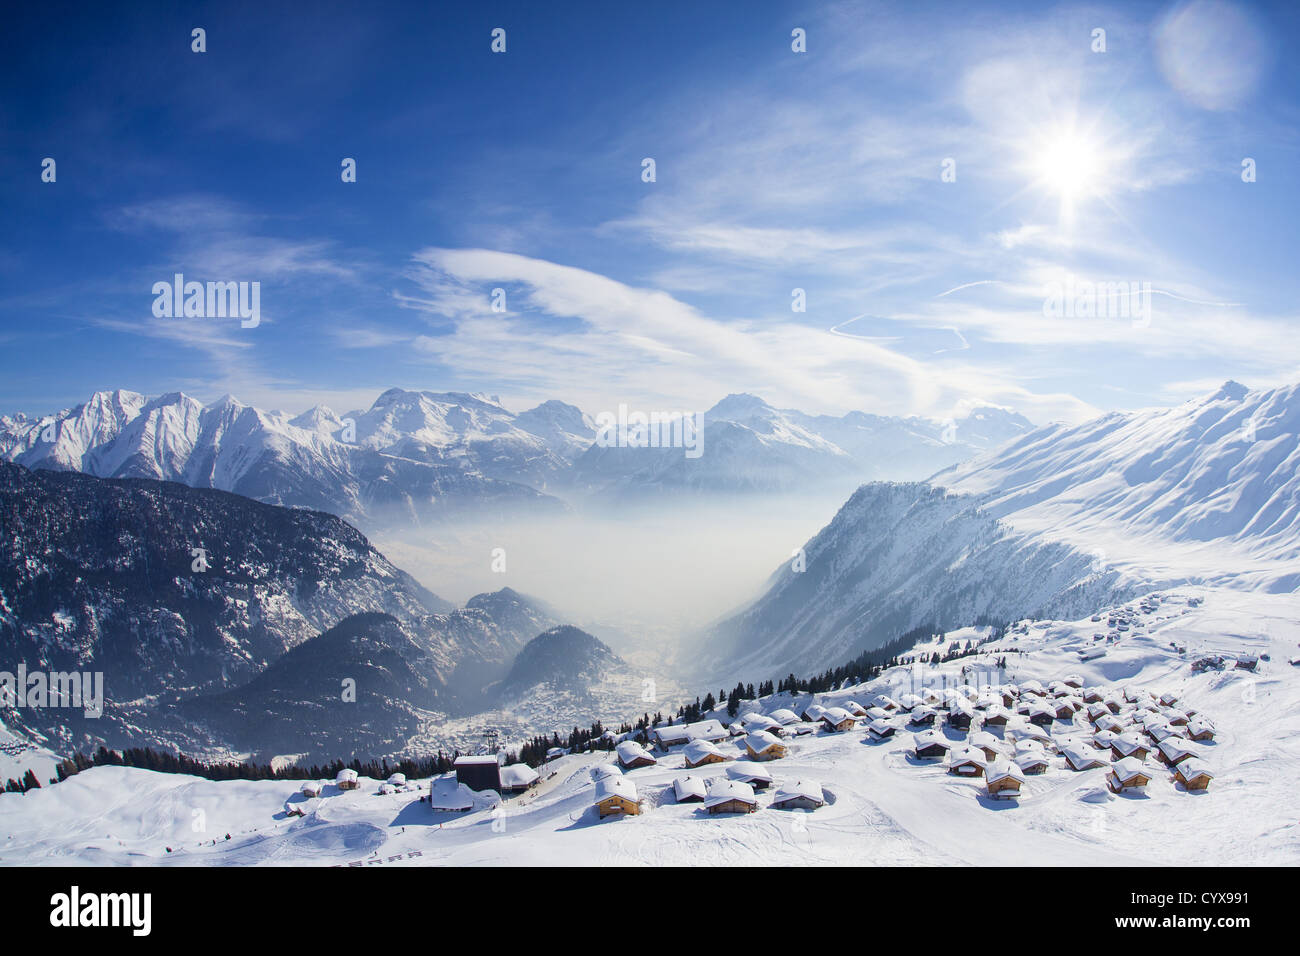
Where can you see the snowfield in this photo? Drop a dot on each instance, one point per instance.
(882, 804)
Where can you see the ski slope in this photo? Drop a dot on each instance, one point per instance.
(883, 806)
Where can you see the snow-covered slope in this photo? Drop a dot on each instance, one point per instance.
(881, 803)
(1222, 472)
(1207, 492)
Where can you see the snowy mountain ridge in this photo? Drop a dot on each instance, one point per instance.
(413, 456)
(1063, 518)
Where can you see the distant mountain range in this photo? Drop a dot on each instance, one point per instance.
(411, 457)
(1059, 522)
(417, 457)
(749, 446)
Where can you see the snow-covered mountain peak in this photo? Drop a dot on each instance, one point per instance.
(1230, 391)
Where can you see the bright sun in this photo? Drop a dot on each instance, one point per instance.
(1071, 166)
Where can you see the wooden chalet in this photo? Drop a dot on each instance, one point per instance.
(930, 746)
(699, 753)
(689, 789)
(967, 762)
(1003, 779)
(762, 745)
(631, 755)
(1193, 775)
(730, 796)
(799, 795)
(616, 796)
(1129, 775)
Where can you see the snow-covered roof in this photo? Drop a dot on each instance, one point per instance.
(761, 740)
(1129, 742)
(398, 779)
(1031, 758)
(1030, 732)
(346, 776)
(1175, 748)
(606, 770)
(707, 730)
(1128, 768)
(930, 739)
(1162, 732)
(312, 788)
(517, 775)
(480, 760)
(697, 750)
(982, 738)
(688, 786)
(785, 716)
(446, 793)
(615, 786)
(1001, 769)
(836, 715)
(814, 711)
(630, 750)
(1192, 768)
(722, 791)
(793, 789)
(748, 770)
(880, 727)
(671, 734)
(961, 755)
(757, 721)
(1082, 757)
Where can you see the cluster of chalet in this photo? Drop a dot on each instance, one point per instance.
(745, 747)
(1011, 731)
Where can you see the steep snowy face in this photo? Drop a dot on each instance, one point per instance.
(1208, 492)
(1224, 469)
(897, 557)
(63, 441)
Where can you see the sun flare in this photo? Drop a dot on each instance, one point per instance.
(1071, 166)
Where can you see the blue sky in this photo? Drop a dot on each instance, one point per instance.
(775, 170)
